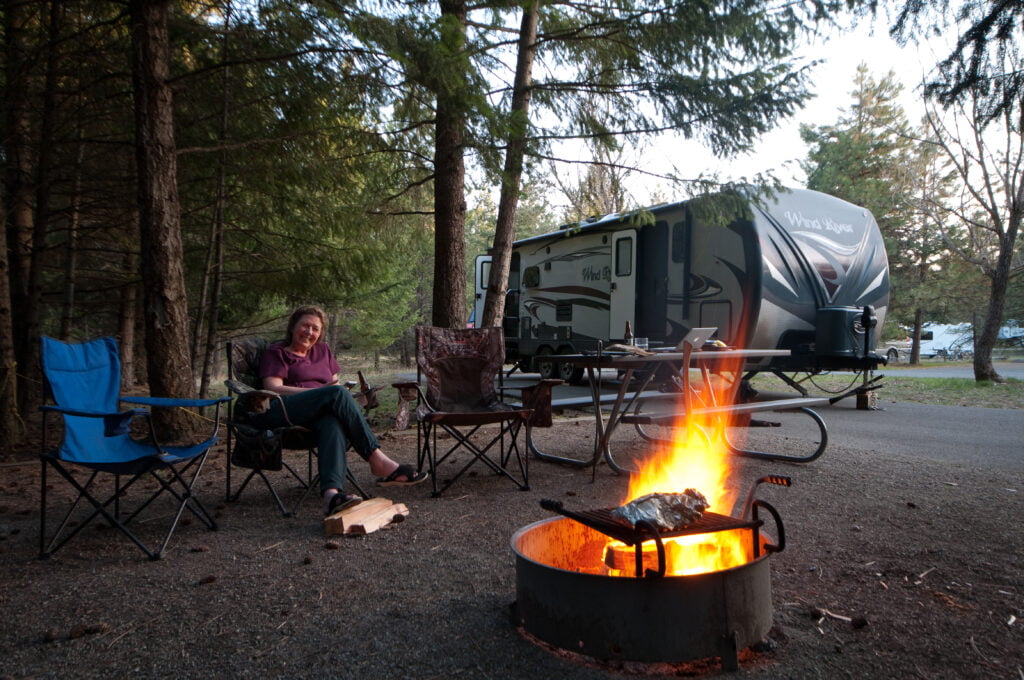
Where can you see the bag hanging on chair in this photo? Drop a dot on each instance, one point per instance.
(257, 449)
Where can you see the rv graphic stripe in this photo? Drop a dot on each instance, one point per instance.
(534, 304)
(577, 290)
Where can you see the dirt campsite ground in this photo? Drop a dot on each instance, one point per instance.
(896, 565)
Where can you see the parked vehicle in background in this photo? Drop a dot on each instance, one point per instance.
(952, 342)
(803, 271)
(1011, 335)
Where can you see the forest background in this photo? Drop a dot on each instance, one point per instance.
(181, 173)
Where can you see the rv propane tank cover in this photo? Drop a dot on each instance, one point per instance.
(840, 332)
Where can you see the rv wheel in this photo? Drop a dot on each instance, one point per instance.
(893, 355)
(568, 372)
(543, 365)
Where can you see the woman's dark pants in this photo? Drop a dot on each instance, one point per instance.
(336, 421)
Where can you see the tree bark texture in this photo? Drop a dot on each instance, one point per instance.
(915, 345)
(31, 363)
(504, 231)
(17, 211)
(1000, 277)
(11, 430)
(214, 273)
(163, 277)
(18, 153)
(67, 312)
(449, 299)
(128, 321)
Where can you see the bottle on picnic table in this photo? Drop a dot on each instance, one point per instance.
(627, 339)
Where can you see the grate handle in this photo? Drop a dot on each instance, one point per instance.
(777, 480)
(771, 547)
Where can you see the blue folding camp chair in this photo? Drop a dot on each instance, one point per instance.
(84, 381)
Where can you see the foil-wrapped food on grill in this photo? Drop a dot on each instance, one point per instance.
(667, 511)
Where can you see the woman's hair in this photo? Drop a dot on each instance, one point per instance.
(304, 311)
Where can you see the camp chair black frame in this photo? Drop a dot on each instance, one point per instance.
(460, 368)
(82, 384)
(243, 359)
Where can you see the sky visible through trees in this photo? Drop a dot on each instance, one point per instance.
(781, 149)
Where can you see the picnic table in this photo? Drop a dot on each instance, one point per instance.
(706, 398)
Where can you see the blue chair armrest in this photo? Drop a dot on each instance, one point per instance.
(113, 423)
(92, 414)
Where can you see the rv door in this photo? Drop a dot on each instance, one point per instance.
(482, 275)
(622, 306)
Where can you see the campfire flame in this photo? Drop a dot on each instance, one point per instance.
(697, 459)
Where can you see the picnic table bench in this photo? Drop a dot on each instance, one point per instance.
(584, 402)
(680, 418)
(708, 362)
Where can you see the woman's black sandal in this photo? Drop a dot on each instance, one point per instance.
(403, 470)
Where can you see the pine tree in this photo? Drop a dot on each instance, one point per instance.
(866, 158)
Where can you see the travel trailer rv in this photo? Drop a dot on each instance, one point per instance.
(802, 271)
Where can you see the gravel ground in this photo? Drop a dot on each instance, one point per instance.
(924, 556)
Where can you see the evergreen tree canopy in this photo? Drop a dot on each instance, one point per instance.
(992, 31)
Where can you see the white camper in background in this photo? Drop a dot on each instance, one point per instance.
(946, 340)
(803, 271)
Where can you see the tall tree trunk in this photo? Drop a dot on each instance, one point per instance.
(128, 318)
(449, 299)
(169, 366)
(216, 284)
(127, 321)
(15, 145)
(504, 231)
(18, 154)
(215, 267)
(915, 343)
(32, 395)
(11, 430)
(1000, 277)
(199, 314)
(67, 312)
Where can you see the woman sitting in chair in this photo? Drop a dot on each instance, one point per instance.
(304, 371)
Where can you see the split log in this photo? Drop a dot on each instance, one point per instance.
(340, 522)
(395, 513)
(365, 518)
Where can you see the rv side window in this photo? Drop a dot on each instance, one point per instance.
(485, 274)
(680, 241)
(531, 277)
(624, 257)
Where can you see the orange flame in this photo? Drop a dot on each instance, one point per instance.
(697, 459)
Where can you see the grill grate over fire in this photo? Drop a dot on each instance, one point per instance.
(608, 524)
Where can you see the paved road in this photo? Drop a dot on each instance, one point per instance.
(989, 437)
(958, 435)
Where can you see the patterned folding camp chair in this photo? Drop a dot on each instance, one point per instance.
(84, 380)
(460, 367)
(244, 440)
